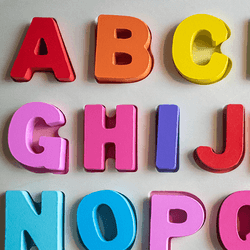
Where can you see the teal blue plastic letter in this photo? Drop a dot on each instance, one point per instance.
(112, 212)
(28, 223)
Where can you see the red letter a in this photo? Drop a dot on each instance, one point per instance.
(43, 50)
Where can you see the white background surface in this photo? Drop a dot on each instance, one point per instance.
(200, 122)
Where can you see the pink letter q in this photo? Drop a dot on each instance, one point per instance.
(235, 209)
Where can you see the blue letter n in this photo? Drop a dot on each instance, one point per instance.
(27, 222)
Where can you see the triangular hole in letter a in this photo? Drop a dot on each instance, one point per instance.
(41, 47)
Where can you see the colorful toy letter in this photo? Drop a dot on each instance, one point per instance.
(233, 221)
(174, 214)
(121, 221)
(167, 147)
(213, 31)
(27, 223)
(53, 156)
(122, 49)
(43, 49)
(120, 130)
(234, 143)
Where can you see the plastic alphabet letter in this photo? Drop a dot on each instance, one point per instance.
(43, 49)
(174, 214)
(167, 147)
(97, 136)
(234, 143)
(54, 154)
(122, 49)
(211, 30)
(27, 223)
(232, 236)
(123, 229)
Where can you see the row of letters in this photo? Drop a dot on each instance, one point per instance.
(123, 52)
(116, 137)
(107, 220)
